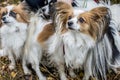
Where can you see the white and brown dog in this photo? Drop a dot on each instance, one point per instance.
(40, 35)
(90, 4)
(87, 43)
(13, 32)
(82, 37)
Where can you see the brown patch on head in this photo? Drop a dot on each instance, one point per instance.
(61, 11)
(95, 22)
(3, 10)
(46, 33)
(21, 15)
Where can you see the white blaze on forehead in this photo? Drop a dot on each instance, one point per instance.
(9, 8)
(78, 11)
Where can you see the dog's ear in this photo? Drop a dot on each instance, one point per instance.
(2, 10)
(23, 15)
(100, 12)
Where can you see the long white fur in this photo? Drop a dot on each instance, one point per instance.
(95, 58)
(104, 47)
(13, 36)
(76, 47)
(33, 51)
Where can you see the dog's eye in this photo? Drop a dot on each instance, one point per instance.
(69, 17)
(45, 2)
(4, 13)
(13, 14)
(51, 3)
(81, 20)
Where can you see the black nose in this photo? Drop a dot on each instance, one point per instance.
(3, 18)
(70, 23)
(43, 9)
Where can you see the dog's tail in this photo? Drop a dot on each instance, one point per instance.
(106, 54)
(101, 55)
(115, 42)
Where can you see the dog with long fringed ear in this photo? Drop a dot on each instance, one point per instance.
(13, 33)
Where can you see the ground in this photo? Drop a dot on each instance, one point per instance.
(51, 73)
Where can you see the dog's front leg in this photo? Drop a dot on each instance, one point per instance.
(59, 60)
(12, 60)
(36, 56)
(24, 66)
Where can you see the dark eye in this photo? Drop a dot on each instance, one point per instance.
(3, 14)
(51, 3)
(69, 17)
(45, 2)
(13, 14)
(81, 20)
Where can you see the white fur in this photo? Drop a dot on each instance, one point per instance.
(76, 48)
(13, 36)
(81, 51)
(33, 50)
(115, 10)
(46, 10)
(55, 50)
(90, 4)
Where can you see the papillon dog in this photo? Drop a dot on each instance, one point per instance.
(81, 35)
(90, 4)
(39, 23)
(87, 43)
(60, 12)
(13, 33)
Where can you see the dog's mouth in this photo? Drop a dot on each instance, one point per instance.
(71, 28)
(5, 22)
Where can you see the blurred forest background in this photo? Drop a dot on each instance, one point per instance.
(17, 74)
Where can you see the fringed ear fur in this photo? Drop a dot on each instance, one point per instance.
(2, 10)
(101, 12)
(23, 14)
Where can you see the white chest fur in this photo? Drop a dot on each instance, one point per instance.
(76, 47)
(14, 35)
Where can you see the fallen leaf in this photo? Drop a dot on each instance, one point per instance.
(13, 74)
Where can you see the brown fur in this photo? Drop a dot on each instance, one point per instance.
(22, 16)
(93, 21)
(2, 10)
(64, 10)
(46, 33)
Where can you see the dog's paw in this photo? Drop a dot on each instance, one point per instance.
(43, 78)
(27, 71)
(1, 52)
(27, 77)
(63, 77)
(72, 74)
(11, 67)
